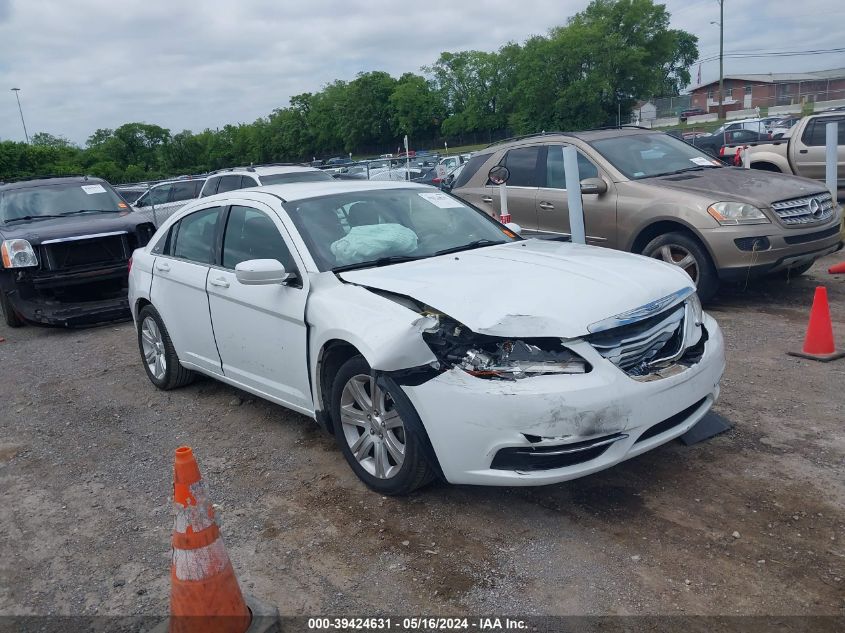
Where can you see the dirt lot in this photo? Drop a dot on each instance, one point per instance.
(751, 522)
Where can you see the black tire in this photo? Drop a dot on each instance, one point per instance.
(708, 279)
(415, 470)
(10, 317)
(797, 271)
(174, 374)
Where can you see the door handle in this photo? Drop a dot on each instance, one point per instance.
(546, 205)
(487, 199)
(220, 282)
(162, 266)
(802, 151)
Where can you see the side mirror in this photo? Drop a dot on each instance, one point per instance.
(595, 186)
(513, 226)
(262, 272)
(499, 174)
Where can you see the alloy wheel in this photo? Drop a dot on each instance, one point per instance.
(679, 256)
(153, 347)
(372, 427)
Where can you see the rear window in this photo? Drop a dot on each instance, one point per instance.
(295, 176)
(470, 167)
(68, 198)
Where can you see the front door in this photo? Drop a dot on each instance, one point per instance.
(553, 205)
(260, 330)
(809, 151)
(178, 288)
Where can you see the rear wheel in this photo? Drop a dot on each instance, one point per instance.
(10, 317)
(381, 440)
(158, 354)
(686, 253)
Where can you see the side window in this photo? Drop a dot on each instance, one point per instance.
(154, 196)
(182, 191)
(229, 183)
(815, 134)
(247, 181)
(251, 234)
(195, 236)
(555, 176)
(522, 163)
(162, 247)
(210, 187)
(469, 170)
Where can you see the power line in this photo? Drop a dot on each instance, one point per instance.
(743, 55)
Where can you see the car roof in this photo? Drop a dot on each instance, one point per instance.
(303, 190)
(47, 180)
(264, 170)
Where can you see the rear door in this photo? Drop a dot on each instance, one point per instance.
(808, 150)
(553, 203)
(178, 288)
(260, 330)
(524, 165)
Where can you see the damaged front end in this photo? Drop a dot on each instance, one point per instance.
(499, 358)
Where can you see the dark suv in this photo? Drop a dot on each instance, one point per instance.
(65, 245)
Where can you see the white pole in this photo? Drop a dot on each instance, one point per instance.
(746, 157)
(573, 194)
(407, 160)
(504, 214)
(831, 149)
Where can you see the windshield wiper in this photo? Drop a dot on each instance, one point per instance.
(28, 218)
(466, 247)
(374, 263)
(685, 169)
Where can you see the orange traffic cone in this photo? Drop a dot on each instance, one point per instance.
(838, 269)
(818, 344)
(204, 592)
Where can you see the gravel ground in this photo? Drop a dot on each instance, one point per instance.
(750, 522)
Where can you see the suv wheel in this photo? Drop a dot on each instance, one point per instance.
(10, 317)
(687, 253)
(158, 354)
(380, 438)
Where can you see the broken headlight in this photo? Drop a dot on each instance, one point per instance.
(496, 357)
(18, 254)
(694, 320)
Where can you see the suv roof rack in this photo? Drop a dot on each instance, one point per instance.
(561, 133)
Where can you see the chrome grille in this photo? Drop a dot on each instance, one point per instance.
(806, 210)
(633, 348)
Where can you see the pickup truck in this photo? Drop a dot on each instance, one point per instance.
(803, 152)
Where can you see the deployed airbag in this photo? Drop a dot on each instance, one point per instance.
(371, 241)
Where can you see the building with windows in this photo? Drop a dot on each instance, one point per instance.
(772, 89)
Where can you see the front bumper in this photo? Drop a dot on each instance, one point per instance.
(469, 420)
(788, 248)
(80, 314)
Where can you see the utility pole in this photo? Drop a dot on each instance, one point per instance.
(721, 58)
(25, 133)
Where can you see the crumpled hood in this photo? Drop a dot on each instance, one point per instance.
(753, 186)
(530, 288)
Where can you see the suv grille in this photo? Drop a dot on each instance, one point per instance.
(634, 347)
(807, 210)
(86, 251)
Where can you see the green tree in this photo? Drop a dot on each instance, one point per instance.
(416, 109)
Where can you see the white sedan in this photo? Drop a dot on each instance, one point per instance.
(431, 340)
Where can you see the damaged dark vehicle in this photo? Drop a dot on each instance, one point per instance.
(65, 246)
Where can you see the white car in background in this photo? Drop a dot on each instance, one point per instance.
(165, 198)
(430, 339)
(235, 178)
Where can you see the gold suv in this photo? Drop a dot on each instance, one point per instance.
(650, 193)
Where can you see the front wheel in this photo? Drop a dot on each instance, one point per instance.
(10, 317)
(382, 441)
(686, 253)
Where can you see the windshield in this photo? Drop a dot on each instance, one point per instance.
(294, 176)
(646, 155)
(59, 199)
(373, 227)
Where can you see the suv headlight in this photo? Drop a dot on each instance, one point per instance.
(18, 254)
(495, 357)
(732, 213)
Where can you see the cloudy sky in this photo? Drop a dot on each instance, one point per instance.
(87, 64)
